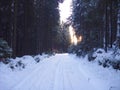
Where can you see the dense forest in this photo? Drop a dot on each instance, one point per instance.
(33, 27)
(98, 21)
(30, 26)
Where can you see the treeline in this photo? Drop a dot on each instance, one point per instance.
(98, 21)
(29, 26)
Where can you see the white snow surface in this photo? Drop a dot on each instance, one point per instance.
(58, 72)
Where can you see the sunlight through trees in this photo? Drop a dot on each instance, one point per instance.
(74, 39)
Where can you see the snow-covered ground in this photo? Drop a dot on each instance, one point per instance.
(59, 72)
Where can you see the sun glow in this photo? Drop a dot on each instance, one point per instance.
(74, 39)
(65, 12)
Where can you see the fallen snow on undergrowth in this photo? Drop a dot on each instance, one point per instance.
(17, 69)
(106, 59)
(101, 54)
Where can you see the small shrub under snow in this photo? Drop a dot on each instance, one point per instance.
(109, 59)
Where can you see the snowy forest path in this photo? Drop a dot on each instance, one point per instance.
(59, 72)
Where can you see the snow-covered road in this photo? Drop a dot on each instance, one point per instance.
(59, 72)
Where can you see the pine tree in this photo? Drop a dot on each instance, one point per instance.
(29, 26)
(47, 22)
(96, 21)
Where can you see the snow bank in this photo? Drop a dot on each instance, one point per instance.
(17, 69)
(101, 78)
(109, 59)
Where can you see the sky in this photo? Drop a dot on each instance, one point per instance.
(65, 10)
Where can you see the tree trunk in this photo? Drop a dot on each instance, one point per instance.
(111, 25)
(106, 26)
(118, 25)
(15, 28)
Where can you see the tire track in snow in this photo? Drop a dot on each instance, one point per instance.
(37, 74)
(51, 72)
(74, 76)
(59, 80)
(59, 72)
